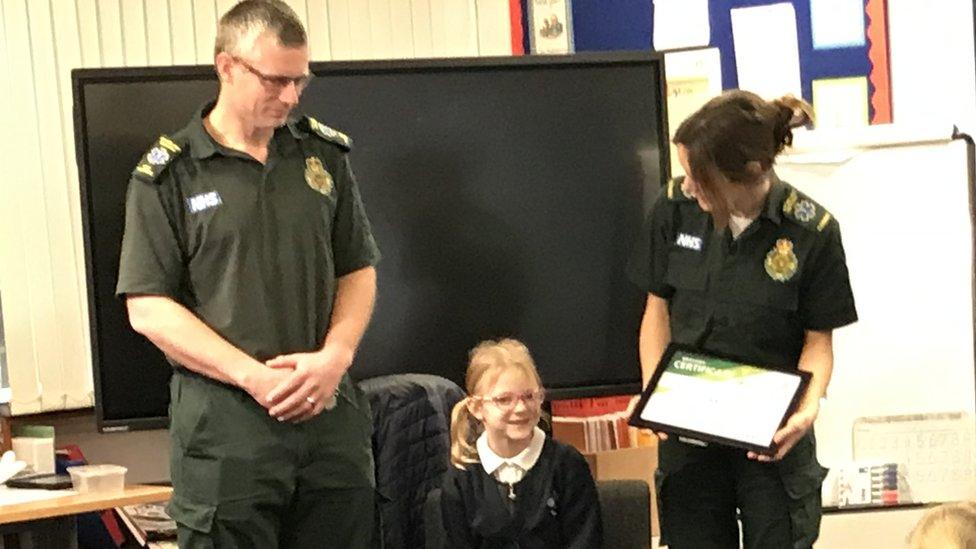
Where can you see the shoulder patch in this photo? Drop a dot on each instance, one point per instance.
(154, 162)
(675, 191)
(329, 134)
(804, 211)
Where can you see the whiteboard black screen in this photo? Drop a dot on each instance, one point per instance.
(505, 196)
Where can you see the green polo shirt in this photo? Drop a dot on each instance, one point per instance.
(752, 297)
(254, 250)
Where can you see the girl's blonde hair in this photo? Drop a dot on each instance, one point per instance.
(486, 363)
(948, 526)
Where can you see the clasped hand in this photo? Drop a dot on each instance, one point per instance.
(298, 386)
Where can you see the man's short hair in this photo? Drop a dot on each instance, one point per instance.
(246, 21)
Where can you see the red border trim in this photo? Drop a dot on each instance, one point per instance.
(878, 55)
(515, 21)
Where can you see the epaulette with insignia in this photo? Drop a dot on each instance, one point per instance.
(331, 135)
(675, 192)
(154, 162)
(805, 211)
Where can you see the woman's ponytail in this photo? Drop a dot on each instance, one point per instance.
(791, 113)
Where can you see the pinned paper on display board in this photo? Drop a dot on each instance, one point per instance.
(841, 102)
(551, 25)
(837, 23)
(767, 53)
(685, 96)
(842, 27)
(681, 24)
(792, 46)
(692, 78)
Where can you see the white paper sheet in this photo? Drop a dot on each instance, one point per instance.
(767, 54)
(11, 496)
(681, 24)
(837, 23)
(693, 77)
(721, 398)
(841, 102)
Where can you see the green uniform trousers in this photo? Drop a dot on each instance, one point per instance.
(243, 479)
(700, 490)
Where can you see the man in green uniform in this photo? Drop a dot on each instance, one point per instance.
(249, 261)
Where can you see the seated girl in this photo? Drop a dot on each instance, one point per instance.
(510, 485)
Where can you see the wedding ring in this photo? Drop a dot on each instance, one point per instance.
(310, 400)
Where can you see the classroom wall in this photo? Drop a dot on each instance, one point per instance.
(144, 453)
(933, 73)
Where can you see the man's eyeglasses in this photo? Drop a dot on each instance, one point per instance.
(276, 82)
(508, 401)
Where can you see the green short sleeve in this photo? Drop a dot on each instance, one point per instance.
(352, 237)
(151, 260)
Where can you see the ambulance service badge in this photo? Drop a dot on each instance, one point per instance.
(317, 176)
(781, 262)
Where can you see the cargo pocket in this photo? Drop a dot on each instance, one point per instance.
(802, 486)
(190, 514)
(198, 479)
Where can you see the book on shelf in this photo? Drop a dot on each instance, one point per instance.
(588, 407)
(148, 522)
(594, 424)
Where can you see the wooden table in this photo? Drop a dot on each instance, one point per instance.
(50, 523)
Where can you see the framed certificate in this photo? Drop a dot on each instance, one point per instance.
(718, 399)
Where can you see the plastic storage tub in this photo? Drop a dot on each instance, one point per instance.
(98, 478)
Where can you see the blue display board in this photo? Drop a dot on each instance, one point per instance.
(602, 25)
(814, 64)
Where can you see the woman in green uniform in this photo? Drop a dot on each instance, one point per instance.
(736, 262)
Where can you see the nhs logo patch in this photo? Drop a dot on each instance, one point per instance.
(204, 201)
(689, 242)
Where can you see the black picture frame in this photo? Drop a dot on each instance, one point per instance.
(669, 352)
